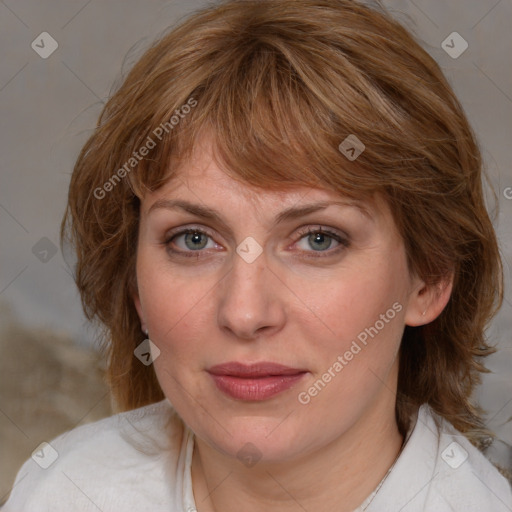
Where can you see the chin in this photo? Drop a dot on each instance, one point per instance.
(258, 439)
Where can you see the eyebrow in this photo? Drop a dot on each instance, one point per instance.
(291, 213)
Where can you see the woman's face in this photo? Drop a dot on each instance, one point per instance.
(256, 281)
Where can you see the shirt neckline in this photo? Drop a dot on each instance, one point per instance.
(188, 445)
(371, 496)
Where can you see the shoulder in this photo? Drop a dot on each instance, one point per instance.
(118, 460)
(439, 470)
(465, 478)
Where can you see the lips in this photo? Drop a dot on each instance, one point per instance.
(263, 369)
(254, 382)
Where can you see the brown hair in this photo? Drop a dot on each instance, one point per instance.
(280, 84)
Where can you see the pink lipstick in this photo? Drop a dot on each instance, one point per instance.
(254, 382)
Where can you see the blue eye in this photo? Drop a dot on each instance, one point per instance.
(192, 241)
(321, 240)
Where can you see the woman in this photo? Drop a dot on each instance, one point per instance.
(279, 222)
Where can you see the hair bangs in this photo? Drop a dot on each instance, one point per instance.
(270, 126)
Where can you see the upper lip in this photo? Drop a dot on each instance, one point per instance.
(261, 369)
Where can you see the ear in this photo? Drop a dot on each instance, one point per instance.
(426, 302)
(138, 307)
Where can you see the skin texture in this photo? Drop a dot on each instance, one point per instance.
(287, 306)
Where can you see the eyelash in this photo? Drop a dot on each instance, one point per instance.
(302, 233)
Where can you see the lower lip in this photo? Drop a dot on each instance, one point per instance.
(255, 389)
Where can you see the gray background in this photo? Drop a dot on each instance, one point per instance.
(49, 107)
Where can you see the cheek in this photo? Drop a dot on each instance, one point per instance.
(355, 345)
(362, 320)
(163, 295)
(175, 310)
(354, 301)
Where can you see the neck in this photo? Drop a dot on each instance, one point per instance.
(338, 477)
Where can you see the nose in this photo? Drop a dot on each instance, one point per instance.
(251, 300)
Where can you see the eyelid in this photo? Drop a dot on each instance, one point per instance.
(318, 228)
(184, 229)
(339, 236)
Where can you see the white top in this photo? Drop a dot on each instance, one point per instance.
(140, 460)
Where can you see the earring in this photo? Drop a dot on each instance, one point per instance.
(423, 314)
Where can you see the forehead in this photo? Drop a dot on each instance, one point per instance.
(203, 188)
(212, 183)
(214, 196)
(203, 178)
